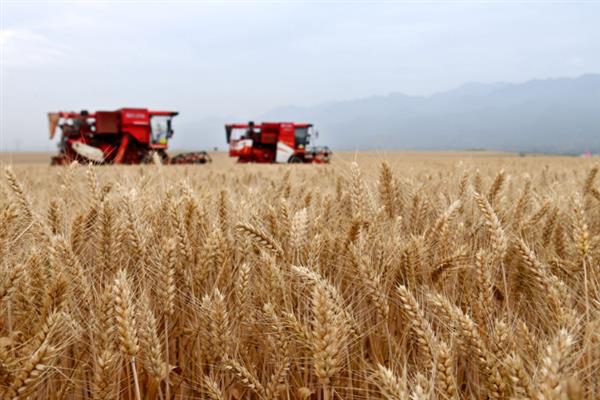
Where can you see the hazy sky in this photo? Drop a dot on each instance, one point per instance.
(244, 58)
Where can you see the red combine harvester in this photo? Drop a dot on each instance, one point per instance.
(274, 142)
(125, 136)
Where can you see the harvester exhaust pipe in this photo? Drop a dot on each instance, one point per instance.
(228, 129)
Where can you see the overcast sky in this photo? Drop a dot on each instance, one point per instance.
(244, 58)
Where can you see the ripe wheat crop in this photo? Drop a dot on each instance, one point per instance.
(389, 278)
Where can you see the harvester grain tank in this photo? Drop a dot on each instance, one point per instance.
(124, 136)
(274, 142)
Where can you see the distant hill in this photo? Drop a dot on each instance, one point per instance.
(550, 115)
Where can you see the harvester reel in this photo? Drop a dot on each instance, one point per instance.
(197, 157)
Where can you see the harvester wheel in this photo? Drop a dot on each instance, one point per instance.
(295, 160)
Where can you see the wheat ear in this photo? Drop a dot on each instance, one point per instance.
(260, 238)
(419, 324)
(126, 325)
(390, 386)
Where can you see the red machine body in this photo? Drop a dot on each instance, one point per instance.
(124, 136)
(274, 142)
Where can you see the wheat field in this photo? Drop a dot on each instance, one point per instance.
(380, 276)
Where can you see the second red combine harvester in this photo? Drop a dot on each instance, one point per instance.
(125, 136)
(274, 142)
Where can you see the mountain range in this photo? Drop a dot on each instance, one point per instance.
(547, 115)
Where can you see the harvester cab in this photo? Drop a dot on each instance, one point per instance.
(161, 128)
(274, 142)
(124, 136)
